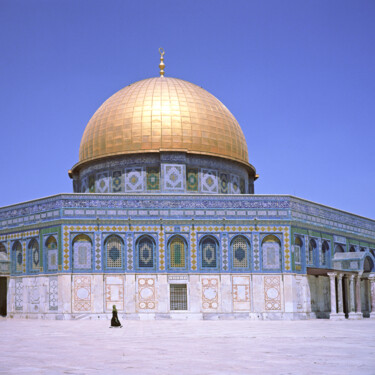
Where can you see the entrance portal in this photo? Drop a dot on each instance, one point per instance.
(3, 296)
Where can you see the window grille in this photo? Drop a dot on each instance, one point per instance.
(82, 251)
(240, 250)
(177, 252)
(178, 296)
(17, 248)
(34, 254)
(113, 246)
(145, 252)
(209, 253)
(325, 249)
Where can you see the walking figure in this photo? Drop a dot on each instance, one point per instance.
(114, 321)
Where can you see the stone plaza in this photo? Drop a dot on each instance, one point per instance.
(311, 347)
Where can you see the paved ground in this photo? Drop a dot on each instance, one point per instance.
(187, 347)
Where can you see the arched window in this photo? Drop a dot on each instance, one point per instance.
(34, 254)
(146, 249)
(113, 247)
(339, 249)
(209, 248)
(352, 249)
(297, 250)
(312, 249)
(18, 258)
(271, 253)
(82, 252)
(240, 252)
(51, 245)
(177, 250)
(2, 248)
(362, 249)
(325, 253)
(368, 265)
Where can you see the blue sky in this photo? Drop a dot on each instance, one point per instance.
(299, 76)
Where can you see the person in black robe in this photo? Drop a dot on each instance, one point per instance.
(114, 321)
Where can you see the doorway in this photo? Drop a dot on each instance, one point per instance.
(3, 296)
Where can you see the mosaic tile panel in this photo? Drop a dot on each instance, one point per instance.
(81, 293)
(223, 186)
(114, 292)
(272, 293)
(53, 293)
(113, 246)
(209, 181)
(271, 256)
(24, 256)
(241, 293)
(256, 252)
(209, 253)
(193, 250)
(98, 252)
(210, 293)
(85, 185)
(240, 250)
(66, 264)
(224, 247)
(92, 184)
(17, 249)
(161, 251)
(52, 259)
(173, 176)
(130, 252)
(287, 256)
(117, 185)
(18, 296)
(153, 178)
(242, 186)
(145, 249)
(146, 294)
(82, 250)
(102, 182)
(34, 254)
(134, 180)
(235, 184)
(192, 179)
(177, 253)
(34, 295)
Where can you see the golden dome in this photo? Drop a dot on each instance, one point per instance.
(163, 114)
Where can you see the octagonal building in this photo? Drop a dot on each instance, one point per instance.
(164, 224)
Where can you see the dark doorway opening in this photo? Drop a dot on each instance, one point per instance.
(3, 296)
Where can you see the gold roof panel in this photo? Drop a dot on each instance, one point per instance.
(163, 114)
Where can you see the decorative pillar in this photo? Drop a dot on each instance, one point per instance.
(358, 303)
(340, 302)
(352, 313)
(372, 288)
(332, 286)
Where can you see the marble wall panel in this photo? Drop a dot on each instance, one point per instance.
(210, 293)
(114, 292)
(146, 294)
(241, 293)
(82, 293)
(272, 293)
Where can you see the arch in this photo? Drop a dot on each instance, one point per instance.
(271, 252)
(51, 243)
(298, 243)
(18, 256)
(240, 252)
(209, 247)
(352, 249)
(368, 264)
(146, 251)
(177, 252)
(312, 249)
(34, 253)
(82, 251)
(3, 249)
(325, 253)
(113, 247)
(339, 249)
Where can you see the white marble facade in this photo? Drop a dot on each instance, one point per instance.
(141, 296)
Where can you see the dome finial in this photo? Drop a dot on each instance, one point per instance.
(161, 65)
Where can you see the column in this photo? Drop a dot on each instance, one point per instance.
(352, 313)
(332, 288)
(372, 288)
(340, 302)
(358, 303)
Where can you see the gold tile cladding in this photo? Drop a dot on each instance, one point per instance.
(163, 114)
